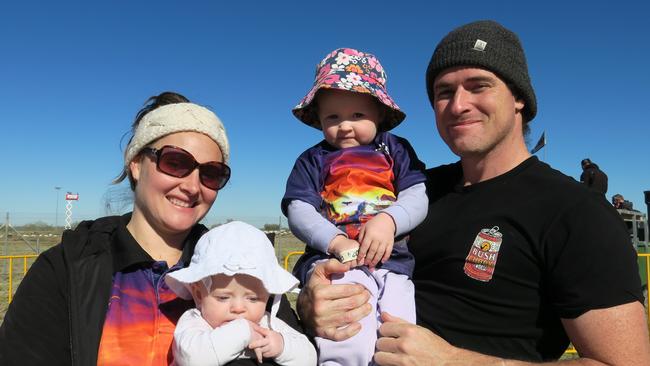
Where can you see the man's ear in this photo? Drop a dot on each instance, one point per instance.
(519, 105)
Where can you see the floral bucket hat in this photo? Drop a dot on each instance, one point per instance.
(355, 71)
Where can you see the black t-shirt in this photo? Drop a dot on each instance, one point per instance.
(498, 263)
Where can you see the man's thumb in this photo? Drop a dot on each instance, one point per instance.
(331, 267)
(386, 317)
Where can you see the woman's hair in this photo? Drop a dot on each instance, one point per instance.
(152, 103)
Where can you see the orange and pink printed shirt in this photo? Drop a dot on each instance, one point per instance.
(141, 317)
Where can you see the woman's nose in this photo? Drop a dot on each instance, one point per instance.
(191, 184)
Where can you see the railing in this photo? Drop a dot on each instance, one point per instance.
(11, 270)
(290, 254)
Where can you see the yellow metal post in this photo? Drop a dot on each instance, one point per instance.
(11, 267)
(286, 258)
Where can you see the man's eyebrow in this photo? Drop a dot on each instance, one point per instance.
(441, 85)
(481, 78)
(474, 79)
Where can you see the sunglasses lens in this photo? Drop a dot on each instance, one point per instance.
(176, 163)
(214, 175)
(179, 163)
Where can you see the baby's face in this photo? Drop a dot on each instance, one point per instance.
(348, 119)
(230, 298)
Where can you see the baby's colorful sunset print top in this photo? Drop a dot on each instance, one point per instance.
(351, 185)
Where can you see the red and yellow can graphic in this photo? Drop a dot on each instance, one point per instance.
(483, 254)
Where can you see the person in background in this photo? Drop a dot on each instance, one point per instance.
(100, 297)
(620, 203)
(593, 177)
(514, 259)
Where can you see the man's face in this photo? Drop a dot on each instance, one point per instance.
(476, 113)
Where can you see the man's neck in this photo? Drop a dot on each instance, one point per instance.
(498, 161)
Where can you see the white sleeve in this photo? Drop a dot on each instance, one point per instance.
(310, 226)
(410, 209)
(197, 344)
(298, 350)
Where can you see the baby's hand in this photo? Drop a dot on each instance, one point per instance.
(270, 345)
(256, 336)
(344, 248)
(376, 238)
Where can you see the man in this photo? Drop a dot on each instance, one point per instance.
(620, 203)
(503, 271)
(593, 177)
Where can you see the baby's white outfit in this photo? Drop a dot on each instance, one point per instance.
(230, 249)
(196, 343)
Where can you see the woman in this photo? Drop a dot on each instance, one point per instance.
(100, 297)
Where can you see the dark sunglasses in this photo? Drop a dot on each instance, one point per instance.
(179, 163)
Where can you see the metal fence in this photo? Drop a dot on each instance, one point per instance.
(22, 261)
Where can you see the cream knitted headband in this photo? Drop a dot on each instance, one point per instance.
(177, 117)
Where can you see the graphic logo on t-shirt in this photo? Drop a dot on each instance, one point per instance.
(483, 254)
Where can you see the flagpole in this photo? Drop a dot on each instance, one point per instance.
(545, 150)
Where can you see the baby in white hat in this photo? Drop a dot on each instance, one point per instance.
(231, 276)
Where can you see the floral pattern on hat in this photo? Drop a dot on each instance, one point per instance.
(355, 71)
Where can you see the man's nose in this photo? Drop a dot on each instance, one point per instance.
(460, 101)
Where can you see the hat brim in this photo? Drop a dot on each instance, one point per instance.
(277, 280)
(394, 115)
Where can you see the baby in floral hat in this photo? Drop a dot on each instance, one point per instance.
(357, 193)
(232, 274)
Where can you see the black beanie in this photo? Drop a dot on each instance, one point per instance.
(489, 45)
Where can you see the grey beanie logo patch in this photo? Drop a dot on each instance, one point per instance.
(479, 45)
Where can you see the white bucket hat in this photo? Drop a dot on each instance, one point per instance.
(230, 249)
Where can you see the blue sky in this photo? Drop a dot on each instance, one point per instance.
(73, 75)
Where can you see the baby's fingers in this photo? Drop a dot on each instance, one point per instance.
(378, 250)
(387, 253)
(363, 251)
(258, 343)
(258, 355)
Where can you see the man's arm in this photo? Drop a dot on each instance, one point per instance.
(612, 336)
(325, 308)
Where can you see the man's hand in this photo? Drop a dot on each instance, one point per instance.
(270, 345)
(403, 343)
(332, 311)
(376, 238)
